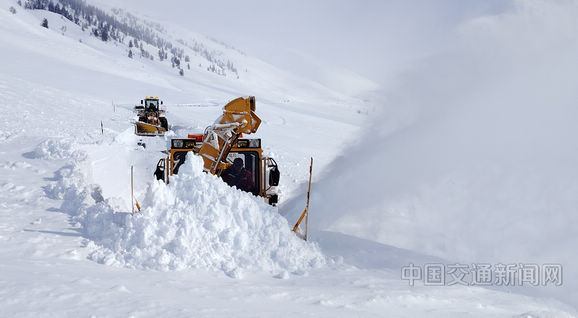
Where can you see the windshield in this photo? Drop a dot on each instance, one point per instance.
(244, 171)
(152, 104)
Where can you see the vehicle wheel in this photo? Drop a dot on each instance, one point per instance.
(164, 123)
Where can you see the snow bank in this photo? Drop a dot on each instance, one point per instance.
(195, 222)
(56, 149)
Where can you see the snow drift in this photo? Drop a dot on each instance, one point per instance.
(56, 149)
(195, 222)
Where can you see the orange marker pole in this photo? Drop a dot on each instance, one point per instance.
(306, 211)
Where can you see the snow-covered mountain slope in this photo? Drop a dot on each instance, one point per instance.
(69, 247)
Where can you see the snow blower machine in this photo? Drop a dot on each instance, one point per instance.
(151, 118)
(238, 161)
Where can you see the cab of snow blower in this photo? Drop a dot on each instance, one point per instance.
(151, 118)
(256, 174)
(238, 161)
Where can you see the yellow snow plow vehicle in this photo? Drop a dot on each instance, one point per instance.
(151, 118)
(238, 161)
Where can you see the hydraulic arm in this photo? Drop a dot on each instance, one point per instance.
(238, 118)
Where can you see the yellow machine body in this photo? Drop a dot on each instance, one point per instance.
(238, 118)
(151, 118)
(148, 129)
(221, 145)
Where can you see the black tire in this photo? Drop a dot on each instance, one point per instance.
(164, 123)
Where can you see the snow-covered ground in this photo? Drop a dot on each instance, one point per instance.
(381, 200)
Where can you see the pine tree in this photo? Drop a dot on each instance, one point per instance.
(104, 34)
(181, 72)
(176, 62)
(44, 23)
(130, 54)
(130, 43)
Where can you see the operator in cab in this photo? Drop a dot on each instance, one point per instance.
(237, 176)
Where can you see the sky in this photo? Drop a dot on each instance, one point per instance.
(372, 38)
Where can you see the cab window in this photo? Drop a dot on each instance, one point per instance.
(243, 173)
(152, 104)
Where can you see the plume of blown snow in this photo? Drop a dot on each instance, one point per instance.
(474, 157)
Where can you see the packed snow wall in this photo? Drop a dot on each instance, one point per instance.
(197, 221)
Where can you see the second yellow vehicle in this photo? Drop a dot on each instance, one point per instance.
(151, 118)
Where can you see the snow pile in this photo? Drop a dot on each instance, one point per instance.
(195, 222)
(56, 149)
